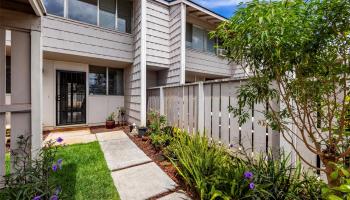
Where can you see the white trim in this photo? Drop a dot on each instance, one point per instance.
(38, 7)
(143, 64)
(36, 92)
(183, 45)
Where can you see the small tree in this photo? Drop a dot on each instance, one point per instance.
(296, 52)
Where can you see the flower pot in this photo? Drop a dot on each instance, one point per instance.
(131, 127)
(142, 131)
(110, 124)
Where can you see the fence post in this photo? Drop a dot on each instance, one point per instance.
(2, 102)
(200, 108)
(161, 101)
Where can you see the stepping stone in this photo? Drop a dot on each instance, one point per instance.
(72, 137)
(115, 135)
(122, 153)
(142, 182)
(179, 195)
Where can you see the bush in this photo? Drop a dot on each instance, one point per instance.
(30, 177)
(159, 141)
(213, 173)
(157, 122)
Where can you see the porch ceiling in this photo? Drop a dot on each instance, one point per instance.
(204, 15)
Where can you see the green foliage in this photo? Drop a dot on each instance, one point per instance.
(31, 177)
(156, 122)
(213, 173)
(296, 53)
(111, 117)
(342, 191)
(159, 141)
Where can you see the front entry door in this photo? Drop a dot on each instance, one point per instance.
(71, 98)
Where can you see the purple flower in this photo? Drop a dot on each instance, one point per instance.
(54, 197)
(248, 175)
(54, 168)
(59, 140)
(37, 198)
(231, 146)
(251, 186)
(59, 163)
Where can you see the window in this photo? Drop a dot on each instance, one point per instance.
(8, 74)
(198, 38)
(107, 13)
(115, 81)
(55, 7)
(97, 80)
(124, 15)
(97, 12)
(83, 10)
(188, 35)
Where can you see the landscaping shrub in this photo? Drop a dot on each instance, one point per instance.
(156, 122)
(30, 178)
(213, 173)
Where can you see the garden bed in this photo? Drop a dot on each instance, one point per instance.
(157, 156)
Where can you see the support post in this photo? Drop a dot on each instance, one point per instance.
(161, 101)
(143, 64)
(36, 91)
(183, 45)
(2, 102)
(200, 108)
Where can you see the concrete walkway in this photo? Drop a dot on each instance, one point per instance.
(134, 174)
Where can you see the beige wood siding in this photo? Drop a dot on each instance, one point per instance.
(158, 34)
(71, 37)
(175, 45)
(208, 63)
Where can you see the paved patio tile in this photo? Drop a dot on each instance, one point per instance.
(122, 153)
(114, 135)
(179, 195)
(73, 137)
(142, 182)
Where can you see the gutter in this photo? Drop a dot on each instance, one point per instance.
(38, 7)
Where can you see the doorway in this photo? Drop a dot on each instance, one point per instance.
(70, 98)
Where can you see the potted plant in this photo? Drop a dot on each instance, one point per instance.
(110, 122)
(142, 131)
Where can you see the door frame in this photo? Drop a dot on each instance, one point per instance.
(85, 75)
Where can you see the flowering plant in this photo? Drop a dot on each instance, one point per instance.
(30, 177)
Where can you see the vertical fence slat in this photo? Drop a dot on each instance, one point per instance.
(190, 109)
(207, 109)
(195, 109)
(234, 126)
(225, 98)
(2, 102)
(246, 135)
(216, 111)
(186, 127)
(180, 106)
(259, 128)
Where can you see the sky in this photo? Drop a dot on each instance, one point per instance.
(223, 7)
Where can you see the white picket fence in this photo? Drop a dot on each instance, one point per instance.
(203, 107)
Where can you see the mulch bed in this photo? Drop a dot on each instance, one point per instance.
(145, 145)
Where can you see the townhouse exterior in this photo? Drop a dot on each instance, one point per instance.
(98, 56)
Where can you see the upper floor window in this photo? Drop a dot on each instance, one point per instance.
(198, 38)
(55, 7)
(83, 10)
(113, 14)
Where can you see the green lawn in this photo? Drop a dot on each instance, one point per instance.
(84, 173)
